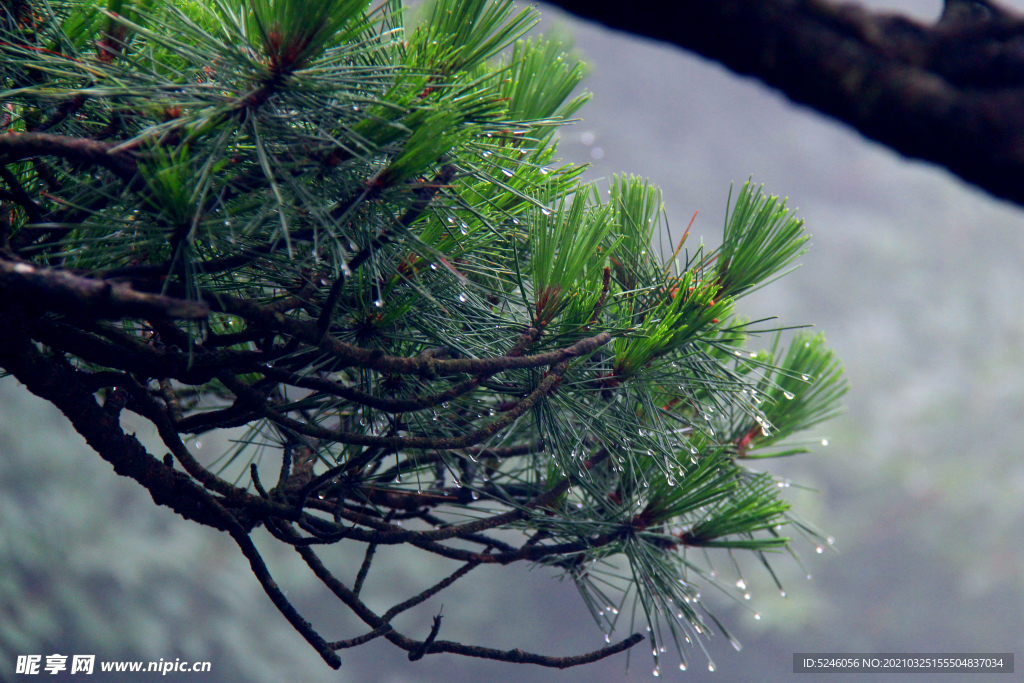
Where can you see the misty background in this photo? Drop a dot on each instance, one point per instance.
(917, 281)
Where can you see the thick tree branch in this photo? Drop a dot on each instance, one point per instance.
(59, 290)
(950, 93)
(15, 146)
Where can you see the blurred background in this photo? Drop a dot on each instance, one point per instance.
(917, 280)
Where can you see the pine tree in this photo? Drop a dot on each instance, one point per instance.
(354, 239)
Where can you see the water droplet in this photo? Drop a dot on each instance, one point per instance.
(711, 666)
(544, 171)
(507, 172)
(788, 395)
(736, 645)
(613, 610)
(741, 584)
(378, 303)
(682, 666)
(738, 353)
(746, 596)
(753, 354)
(782, 593)
(199, 444)
(607, 638)
(433, 266)
(809, 577)
(764, 430)
(463, 228)
(654, 652)
(830, 540)
(818, 549)
(463, 297)
(824, 442)
(515, 221)
(657, 671)
(757, 616)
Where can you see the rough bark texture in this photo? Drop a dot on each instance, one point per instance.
(951, 93)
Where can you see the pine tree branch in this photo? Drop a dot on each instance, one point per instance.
(58, 290)
(17, 146)
(517, 656)
(950, 93)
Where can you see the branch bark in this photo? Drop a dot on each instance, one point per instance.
(951, 93)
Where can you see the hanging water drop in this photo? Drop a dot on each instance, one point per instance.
(818, 549)
(804, 377)
(607, 638)
(657, 671)
(746, 596)
(433, 266)
(462, 297)
(741, 584)
(682, 666)
(463, 228)
(546, 212)
(711, 666)
(824, 442)
(378, 303)
(788, 395)
(507, 172)
(757, 616)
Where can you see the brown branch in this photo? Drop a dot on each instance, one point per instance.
(517, 656)
(16, 146)
(63, 386)
(59, 290)
(439, 443)
(20, 196)
(951, 93)
(396, 405)
(125, 352)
